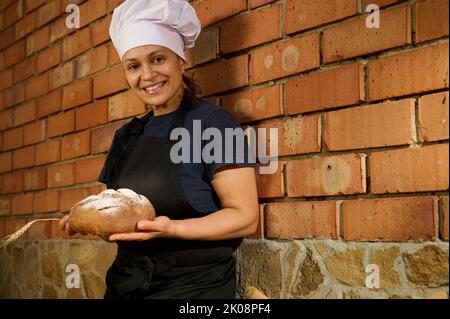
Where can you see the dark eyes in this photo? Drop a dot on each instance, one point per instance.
(155, 60)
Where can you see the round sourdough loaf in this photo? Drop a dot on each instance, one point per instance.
(110, 212)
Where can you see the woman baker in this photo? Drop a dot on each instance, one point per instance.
(204, 208)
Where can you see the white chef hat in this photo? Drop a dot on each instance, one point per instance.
(169, 23)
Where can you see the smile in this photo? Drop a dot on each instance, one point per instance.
(154, 88)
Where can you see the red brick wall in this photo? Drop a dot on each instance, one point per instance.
(362, 113)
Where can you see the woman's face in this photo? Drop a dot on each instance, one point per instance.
(155, 74)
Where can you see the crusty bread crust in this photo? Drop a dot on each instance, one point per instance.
(110, 212)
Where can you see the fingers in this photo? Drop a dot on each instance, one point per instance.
(131, 237)
(144, 225)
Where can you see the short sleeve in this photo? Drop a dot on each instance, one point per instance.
(226, 133)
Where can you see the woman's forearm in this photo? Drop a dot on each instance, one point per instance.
(226, 223)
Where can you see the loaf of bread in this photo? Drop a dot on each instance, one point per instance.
(110, 212)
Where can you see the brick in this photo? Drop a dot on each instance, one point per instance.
(431, 19)
(5, 162)
(50, 103)
(13, 13)
(285, 58)
(70, 197)
(222, 75)
(14, 95)
(112, 4)
(6, 37)
(124, 105)
(113, 56)
(96, 189)
(46, 202)
(6, 119)
(389, 219)
(58, 30)
(306, 14)
(23, 157)
(2, 101)
(22, 204)
(325, 90)
(36, 86)
(35, 179)
(100, 31)
(6, 79)
(61, 75)
(302, 220)
(255, 104)
(61, 175)
(252, 4)
(78, 93)
(353, 38)
(205, 48)
(5, 205)
(416, 71)
(35, 132)
(25, 113)
(259, 233)
(33, 4)
(15, 53)
(250, 29)
(433, 117)
(61, 124)
(13, 139)
(48, 12)
(102, 137)
(209, 12)
(326, 176)
(40, 230)
(49, 58)
(48, 152)
(270, 185)
(12, 182)
(91, 11)
(76, 43)
(380, 3)
(91, 115)
(25, 26)
(444, 225)
(5, 3)
(11, 226)
(88, 169)
(76, 145)
(55, 232)
(295, 135)
(92, 62)
(103, 85)
(24, 70)
(418, 169)
(379, 125)
(37, 40)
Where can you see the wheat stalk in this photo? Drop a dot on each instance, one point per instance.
(10, 238)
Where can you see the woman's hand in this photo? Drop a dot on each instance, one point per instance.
(161, 226)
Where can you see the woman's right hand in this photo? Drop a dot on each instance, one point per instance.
(64, 226)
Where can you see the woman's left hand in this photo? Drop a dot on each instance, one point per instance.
(161, 226)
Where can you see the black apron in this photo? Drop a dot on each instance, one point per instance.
(163, 267)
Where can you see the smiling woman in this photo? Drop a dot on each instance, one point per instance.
(203, 209)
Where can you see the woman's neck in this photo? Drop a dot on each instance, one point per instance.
(172, 105)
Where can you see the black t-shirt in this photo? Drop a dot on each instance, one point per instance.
(195, 177)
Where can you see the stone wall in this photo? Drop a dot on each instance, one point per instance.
(281, 269)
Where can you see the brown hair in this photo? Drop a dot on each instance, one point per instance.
(190, 85)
